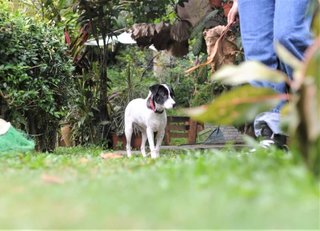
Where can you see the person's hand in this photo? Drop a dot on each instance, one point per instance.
(233, 13)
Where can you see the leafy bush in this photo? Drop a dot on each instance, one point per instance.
(83, 107)
(35, 76)
(206, 93)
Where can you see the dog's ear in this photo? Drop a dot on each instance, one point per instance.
(171, 90)
(154, 89)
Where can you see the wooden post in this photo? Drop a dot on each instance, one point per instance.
(167, 132)
(192, 134)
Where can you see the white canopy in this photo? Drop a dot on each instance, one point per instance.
(124, 38)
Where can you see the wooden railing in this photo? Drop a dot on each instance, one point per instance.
(182, 127)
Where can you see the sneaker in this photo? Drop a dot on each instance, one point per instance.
(268, 138)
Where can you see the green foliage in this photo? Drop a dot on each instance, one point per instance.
(35, 72)
(82, 107)
(198, 29)
(198, 44)
(148, 11)
(57, 13)
(206, 92)
(184, 91)
(182, 190)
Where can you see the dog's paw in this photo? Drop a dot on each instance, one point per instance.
(143, 152)
(129, 155)
(154, 155)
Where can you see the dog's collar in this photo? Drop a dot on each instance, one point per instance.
(151, 105)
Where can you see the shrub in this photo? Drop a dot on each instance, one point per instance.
(35, 76)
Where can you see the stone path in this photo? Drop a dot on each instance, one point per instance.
(189, 147)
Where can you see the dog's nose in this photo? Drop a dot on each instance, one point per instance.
(174, 105)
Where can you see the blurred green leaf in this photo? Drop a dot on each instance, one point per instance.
(247, 71)
(237, 106)
(313, 63)
(290, 117)
(310, 92)
(310, 109)
(316, 24)
(287, 57)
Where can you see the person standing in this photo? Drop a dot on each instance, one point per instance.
(262, 23)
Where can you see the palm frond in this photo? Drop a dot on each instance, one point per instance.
(198, 29)
(198, 45)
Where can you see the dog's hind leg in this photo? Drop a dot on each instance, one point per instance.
(143, 143)
(128, 132)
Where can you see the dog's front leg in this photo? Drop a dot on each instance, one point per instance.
(159, 138)
(151, 143)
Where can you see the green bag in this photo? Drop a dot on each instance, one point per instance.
(13, 140)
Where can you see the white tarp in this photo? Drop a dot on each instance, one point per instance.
(124, 38)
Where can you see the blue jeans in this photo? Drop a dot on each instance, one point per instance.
(264, 22)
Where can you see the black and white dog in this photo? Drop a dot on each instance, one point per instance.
(149, 116)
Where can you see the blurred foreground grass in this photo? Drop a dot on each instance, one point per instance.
(76, 188)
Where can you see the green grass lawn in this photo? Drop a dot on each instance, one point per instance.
(76, 188)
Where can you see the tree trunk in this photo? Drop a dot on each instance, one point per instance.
(104, 116)
(43, 131)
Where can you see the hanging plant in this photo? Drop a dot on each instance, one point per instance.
(215, 3)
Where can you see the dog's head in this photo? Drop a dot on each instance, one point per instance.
(163, 95)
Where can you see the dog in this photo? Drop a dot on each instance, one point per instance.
(149, 116)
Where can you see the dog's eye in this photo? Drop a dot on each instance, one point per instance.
(163, 93)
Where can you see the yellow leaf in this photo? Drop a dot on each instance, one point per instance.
(237, 106)
(110, 155)
(52, 179)
(246, 72)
